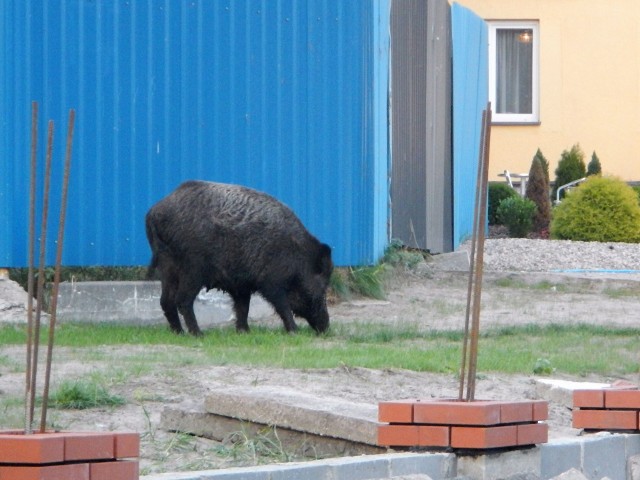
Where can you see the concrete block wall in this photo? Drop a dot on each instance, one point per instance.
(597, 456)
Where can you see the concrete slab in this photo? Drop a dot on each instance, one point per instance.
(191, 417)
(561, 391)
(286, 408)
(139, 303)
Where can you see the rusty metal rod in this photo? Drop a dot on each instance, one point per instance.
(40, 286)
(56, 276)
(28, 412)
(472, 256)
(477, 294)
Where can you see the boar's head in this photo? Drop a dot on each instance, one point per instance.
(308, 299)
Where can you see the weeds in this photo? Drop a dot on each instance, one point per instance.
(82, 394)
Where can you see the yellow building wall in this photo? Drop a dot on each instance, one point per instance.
(589, 84)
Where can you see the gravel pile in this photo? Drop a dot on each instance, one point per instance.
(527, 255)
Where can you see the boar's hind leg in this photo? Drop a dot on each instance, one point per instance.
(168, 303)
(186, 295)
(241, 302)
(279, 300)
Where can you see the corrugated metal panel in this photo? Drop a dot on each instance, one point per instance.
(470, 73)
(282, 95)
(421, 124)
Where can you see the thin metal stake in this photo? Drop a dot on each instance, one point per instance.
(472, 260)
(28, 413)
(56, 277)
(40, 287)
(475, 323)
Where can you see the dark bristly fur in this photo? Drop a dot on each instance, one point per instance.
(241, 241)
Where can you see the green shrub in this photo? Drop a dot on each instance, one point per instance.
(544, 162)
(538, 193)
(594, 167)
(570, 167)
(498, 191)
(602, 209)
(517, 214)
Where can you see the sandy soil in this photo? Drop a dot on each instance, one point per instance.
(430, 300)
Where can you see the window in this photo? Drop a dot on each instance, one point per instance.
(513, 71)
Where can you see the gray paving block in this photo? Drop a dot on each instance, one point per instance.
(559, 456)
(604, 456)
(360, 468)
(438, 466)
(308, 471)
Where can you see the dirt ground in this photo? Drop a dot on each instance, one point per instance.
(432, 300)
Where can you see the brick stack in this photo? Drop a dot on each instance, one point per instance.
(462, 425)
(613, 408)
(69, 455)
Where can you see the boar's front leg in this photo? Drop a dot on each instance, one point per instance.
(241, 301)
(278, 298)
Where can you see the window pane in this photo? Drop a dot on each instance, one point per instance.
(514, 70)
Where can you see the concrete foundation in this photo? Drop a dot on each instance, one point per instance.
(139, 303)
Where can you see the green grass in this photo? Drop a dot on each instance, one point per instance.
(574, 349)
(83, 394)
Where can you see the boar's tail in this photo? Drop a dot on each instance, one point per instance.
(157, 246)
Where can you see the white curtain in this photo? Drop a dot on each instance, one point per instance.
(514, 63)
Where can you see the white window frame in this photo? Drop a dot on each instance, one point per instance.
(515, 118)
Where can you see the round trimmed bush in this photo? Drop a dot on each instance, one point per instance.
(517, 214)
(602, 209)
(497, 193)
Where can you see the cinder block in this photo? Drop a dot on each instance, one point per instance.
(66, 471)
(559, 457)
(87, 446)
(533, 433)
(622, 399)
(37, 448)
(127, 445)
(398, 435)
(604, 457)
(605, 419)
(120, 470)
(588, 399)
(453, 412)
(438, 466)
(434, 436)
(400, 411)
(484, 437)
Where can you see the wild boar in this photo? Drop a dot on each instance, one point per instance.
(240, 241)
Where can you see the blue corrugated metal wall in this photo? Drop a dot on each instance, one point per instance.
(470, 92)
(285, 96)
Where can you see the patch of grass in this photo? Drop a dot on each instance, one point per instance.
(83, 394)
(368, 281)
(621, 292)
(571, 349)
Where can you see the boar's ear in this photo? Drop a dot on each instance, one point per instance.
(324, 264)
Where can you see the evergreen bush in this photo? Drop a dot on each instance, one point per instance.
(538, 193)
(602, 209)
(517, 214)
(498, 191)
(545, 164)
(594, 167)
(570, 167)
